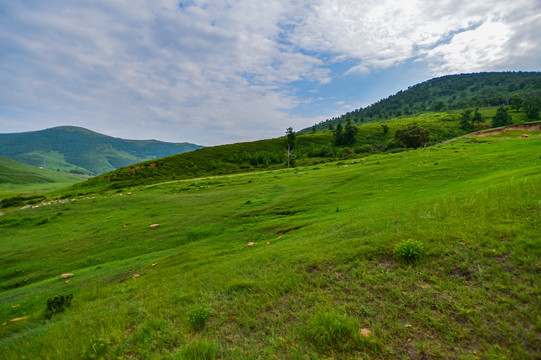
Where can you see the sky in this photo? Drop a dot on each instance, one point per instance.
(214, 72)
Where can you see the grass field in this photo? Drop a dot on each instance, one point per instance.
(18, 178)
(320, 281)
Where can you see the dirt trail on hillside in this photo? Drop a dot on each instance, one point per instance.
(524, 127)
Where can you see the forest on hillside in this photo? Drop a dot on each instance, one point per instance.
(452, 92)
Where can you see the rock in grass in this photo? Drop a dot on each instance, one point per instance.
(250, 243)
(64, 276)
(136, 276)
(154, 225)
(365, 332)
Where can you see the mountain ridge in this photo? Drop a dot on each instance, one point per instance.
(80, 150)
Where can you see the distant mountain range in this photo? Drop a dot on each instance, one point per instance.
(78, 150)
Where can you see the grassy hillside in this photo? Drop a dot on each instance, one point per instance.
(16, 178)
(321, 271)
(261, 155)
(452, 92)
(74, 149)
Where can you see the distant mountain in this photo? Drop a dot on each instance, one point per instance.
(451, 92)
(78, 150)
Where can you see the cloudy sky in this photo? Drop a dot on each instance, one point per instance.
(221, 71)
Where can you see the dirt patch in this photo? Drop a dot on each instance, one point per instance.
(466, 274)
(285, 231)
(523, 127)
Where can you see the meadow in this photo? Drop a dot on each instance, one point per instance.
(320, 281)
(17, 178)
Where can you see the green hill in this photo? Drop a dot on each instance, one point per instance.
(289, 264)
(79, 150)
(451, 92)
(16, 177)
(269, 154)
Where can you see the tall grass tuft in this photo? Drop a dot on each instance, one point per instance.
(200, 349)
(329, 331)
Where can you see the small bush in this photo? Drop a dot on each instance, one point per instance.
(43, 221)
(57, 304)
(409, 250)
(367, 149)
(198, 317)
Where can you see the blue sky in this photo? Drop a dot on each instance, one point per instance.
(223, 71)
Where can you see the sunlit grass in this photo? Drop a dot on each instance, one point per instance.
(321, 268)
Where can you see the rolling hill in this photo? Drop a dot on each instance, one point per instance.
(16, 178)
(311, 149)
(451, 92)
(75, 149)
(289, 264)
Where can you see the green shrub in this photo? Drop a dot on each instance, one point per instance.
(198, 317)
(328, 331)
(409, 250)
(56, 304)
(366, 148)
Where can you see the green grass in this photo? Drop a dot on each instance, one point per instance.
(18, 178)
(262, 155)
(322, 266)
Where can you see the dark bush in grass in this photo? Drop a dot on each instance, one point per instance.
(328, 331)
(198, 317)
(20, 200)
(57, 304)
(409, 250)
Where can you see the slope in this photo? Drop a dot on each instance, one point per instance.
(320, 270)
(451, 92)
(261, 155)
(75, 149)
(16, 177)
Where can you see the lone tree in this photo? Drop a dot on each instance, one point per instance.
(502, 118)
(531, 106)
(290, 143)
(412, 136)
(477, 117)
(465, 120)
(516, 103)
(338, 135)
(350, 133)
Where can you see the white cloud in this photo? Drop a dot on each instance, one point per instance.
(383, 33)
(221, 71)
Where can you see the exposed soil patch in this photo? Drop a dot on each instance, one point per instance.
(285, 231)
(524, 127)
(466, 274)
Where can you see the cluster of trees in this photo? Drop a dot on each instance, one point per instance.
(468, 121)
(502, 117)
(412, 136)
(346, 135)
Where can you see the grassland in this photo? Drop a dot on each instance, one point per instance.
(18, 178)
(320, 270)
(269, 154)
